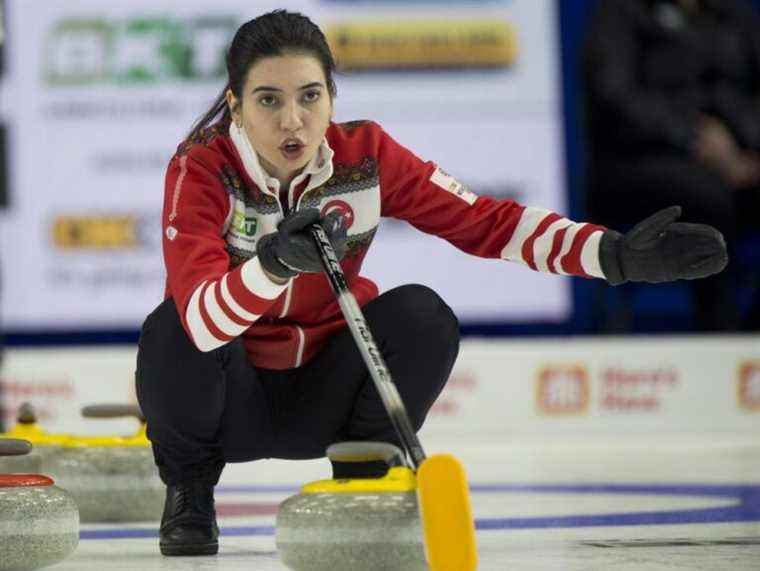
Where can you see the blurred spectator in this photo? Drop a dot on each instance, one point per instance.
(673, 109)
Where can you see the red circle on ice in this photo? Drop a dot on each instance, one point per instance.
(246, 509)
(343, 208)
(24, 481)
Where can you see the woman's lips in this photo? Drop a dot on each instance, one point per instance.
(292, 151)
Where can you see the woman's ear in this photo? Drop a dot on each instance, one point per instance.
(234, 106)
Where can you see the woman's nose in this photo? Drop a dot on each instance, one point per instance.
(291, 117)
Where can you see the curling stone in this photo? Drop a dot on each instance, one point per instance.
(39, 522)
(356, 524)
(112, 478)
(45, 445)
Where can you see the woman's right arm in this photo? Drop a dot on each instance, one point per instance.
(216, 305)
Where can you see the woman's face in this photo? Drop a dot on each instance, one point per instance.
(285, 109)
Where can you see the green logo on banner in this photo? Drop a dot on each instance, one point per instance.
(137, 51)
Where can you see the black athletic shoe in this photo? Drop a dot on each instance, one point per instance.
(188, 526)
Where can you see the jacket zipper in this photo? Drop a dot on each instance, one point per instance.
(289, 291)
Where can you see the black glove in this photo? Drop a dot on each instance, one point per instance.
(659, 249)
(292, 249)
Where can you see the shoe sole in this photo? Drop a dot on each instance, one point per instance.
(194, 549)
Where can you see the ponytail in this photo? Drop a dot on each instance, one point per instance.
(218, 107)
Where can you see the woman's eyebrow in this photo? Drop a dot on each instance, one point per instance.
(269, 88)
(310, 85)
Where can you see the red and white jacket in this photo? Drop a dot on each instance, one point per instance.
(219, 202)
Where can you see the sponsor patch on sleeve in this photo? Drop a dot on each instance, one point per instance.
(450, 184)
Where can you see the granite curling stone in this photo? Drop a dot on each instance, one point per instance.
(45, 445)
(356, 524)
(112, 478)
(39, 522)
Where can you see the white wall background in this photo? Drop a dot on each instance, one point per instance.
(99, 147)
(499, 391)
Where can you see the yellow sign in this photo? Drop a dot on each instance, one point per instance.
(96, 232)
(423, 44)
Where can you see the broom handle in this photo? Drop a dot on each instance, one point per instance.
(368, 349)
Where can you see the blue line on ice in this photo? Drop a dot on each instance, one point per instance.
(746, 508)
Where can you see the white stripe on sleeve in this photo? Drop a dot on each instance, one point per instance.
(590, 255)
(218, 316)
(567, 243)
(301, 343)
(234, 305)
(257, 282)
(542, 247)
(203, 338)
(529, 221)
(288, 296)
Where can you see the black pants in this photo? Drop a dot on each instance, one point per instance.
(205, 409)
(624, 192)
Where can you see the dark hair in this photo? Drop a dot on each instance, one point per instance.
(272, 34)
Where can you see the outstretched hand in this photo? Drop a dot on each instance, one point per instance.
(659, 249)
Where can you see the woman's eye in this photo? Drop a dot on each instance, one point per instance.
(267, 100)
(311, 96)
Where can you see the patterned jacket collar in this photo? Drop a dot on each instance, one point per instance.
(319, 168)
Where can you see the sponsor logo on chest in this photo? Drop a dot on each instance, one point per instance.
(244, 224)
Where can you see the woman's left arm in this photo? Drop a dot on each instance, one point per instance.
(658, 249)
(436, 203)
